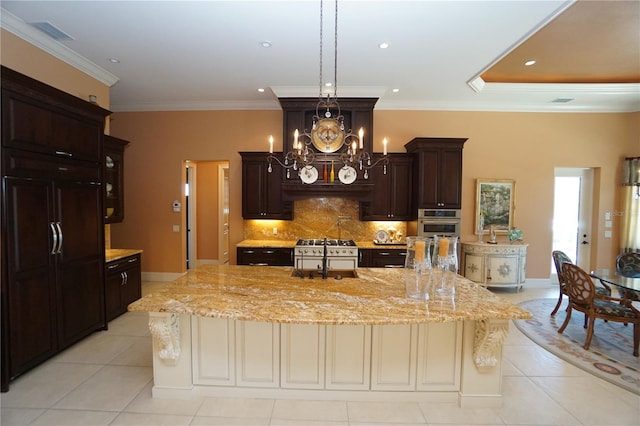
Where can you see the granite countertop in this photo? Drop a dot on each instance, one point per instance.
(292, 243)
(117, 254)
(271, 294)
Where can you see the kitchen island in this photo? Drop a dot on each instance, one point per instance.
(258, 331)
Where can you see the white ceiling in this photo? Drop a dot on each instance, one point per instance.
(182, 55)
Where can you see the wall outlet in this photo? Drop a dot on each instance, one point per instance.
(607, 234)
(176, 228)
(275, 230)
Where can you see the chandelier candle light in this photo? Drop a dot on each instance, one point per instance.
(328, 135)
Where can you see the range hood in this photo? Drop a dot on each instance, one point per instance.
(298, 114)
(355, 191)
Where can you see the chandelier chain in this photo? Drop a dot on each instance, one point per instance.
(335, 55)
(321, 36)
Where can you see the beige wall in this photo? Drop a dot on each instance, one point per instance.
(27, 59)
(207, 209)
(525, 147)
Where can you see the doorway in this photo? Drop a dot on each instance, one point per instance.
(572, 215)
(207, 212)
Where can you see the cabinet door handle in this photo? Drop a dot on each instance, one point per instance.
(126, 278)
(60, 238)
(248, 251)
(135, 259)
(65, 153)
(54, 235)
(268, 252)
(113, 266)
(121, 278)
(384, 253)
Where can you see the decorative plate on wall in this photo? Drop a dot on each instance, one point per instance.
(309, 174)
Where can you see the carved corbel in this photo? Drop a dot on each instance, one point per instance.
(165, 330)
(488, 341)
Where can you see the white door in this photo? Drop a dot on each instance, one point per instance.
(572, 215)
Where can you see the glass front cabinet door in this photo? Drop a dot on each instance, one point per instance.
(113, 179)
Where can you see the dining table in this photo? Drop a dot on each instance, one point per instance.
(622, 282)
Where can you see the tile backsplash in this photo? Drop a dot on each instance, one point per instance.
(318, 218)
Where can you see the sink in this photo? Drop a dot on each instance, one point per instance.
(332, 274)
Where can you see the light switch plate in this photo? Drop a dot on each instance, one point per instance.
(176, 228)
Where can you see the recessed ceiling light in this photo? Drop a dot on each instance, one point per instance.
(395, 90)
(265, 44)
(114, 60)
(529, 63)
(383, 45)
(562, 100)
(328, 84)
(261, 90)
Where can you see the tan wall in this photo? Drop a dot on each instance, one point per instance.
(27, 59)
(207, 209)
(525, 147)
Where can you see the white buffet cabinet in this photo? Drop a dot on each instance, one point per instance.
(495, 265)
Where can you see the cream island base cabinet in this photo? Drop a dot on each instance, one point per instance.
(494, 265)
(455, 361)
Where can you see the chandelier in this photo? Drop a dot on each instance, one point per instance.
(328, 135)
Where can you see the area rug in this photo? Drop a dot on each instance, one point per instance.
(609, 356)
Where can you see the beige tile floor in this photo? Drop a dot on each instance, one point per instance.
(106, 380)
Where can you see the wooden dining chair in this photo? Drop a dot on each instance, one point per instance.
(628, 265)
(559, 257)
(582, 295)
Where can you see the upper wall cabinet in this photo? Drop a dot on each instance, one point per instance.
(113, 167)
(53, 128)
(262, 190)
(391, 196)
(437, 172)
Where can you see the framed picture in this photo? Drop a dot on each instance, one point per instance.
(494, 205)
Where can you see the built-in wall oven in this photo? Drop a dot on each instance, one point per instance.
(439, 222)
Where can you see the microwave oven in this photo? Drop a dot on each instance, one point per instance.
(439, 222)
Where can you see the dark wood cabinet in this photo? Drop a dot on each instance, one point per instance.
(262, 190)
(272, 256)
(391, 195)
(382, 258)
(113, 177)
(52, 222)
(437, 172)
(123, 285)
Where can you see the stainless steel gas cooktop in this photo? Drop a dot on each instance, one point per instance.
(340, 243)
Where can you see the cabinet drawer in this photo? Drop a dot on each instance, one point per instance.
(265, 256)
(388, 258)
(28, 164)
(124, 263)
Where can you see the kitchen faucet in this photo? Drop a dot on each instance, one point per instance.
(325, 269)
(340, 219)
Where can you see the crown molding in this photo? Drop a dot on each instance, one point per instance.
(21, 29)
(198, 106)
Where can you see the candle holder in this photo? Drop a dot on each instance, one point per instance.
(445, 267)
(417, 268)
